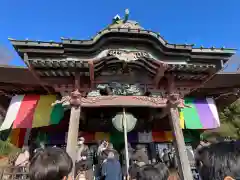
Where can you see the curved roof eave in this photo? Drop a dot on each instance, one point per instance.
(189, 49)
(155, 35)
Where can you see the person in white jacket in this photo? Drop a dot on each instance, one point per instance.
(22, 161)
(23, 158)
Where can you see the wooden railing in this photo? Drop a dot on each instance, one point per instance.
(13, 173)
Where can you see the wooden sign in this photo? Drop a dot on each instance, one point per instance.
(128, 55)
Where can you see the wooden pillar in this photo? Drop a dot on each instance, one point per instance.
(73, 135)
(91, 73)
(27, 136)
(74, 121)
(126, 142)
(179, 144)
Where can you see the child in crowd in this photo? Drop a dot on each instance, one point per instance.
(50, 164)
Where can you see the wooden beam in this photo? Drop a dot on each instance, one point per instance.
(57, 80)
(122, 78)
(69, 89)
(183, 162)
(77, 80)
(91, 72)
(61, 68)
(160, 74)
(46, 51)
(33, 73)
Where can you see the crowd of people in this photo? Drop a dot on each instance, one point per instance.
(218, 161)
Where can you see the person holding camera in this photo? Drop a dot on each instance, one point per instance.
(84, 163)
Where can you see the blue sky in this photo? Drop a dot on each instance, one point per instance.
(206, 22)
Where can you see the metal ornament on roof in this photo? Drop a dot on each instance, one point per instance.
(125, 22)
(130, 121)
(127, 25)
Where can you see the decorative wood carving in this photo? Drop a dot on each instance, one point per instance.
(138, 101)
(122, 89)
(174, 100)
(75, 99)
(109, 53)
(128, 56)
(99, 99)
(153, 100)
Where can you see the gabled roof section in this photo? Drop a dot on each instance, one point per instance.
(224, 87)
(122, 30)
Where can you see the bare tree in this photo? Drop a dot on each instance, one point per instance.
(5, 55)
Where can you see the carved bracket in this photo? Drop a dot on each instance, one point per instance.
(176, 101)
(73, 100)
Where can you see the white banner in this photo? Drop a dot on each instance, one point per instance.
(144, 137)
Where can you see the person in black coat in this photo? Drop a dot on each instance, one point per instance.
(140, 156)
(84, 160)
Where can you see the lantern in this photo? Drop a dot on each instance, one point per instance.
(118, 122)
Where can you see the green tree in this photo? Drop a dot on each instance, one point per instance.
(6, 148)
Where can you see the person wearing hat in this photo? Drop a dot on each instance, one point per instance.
(84, 162)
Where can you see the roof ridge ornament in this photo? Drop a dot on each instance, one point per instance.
(116, 18)
(124, 23)
(126, 15)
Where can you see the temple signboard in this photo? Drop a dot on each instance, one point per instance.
(128, 55)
